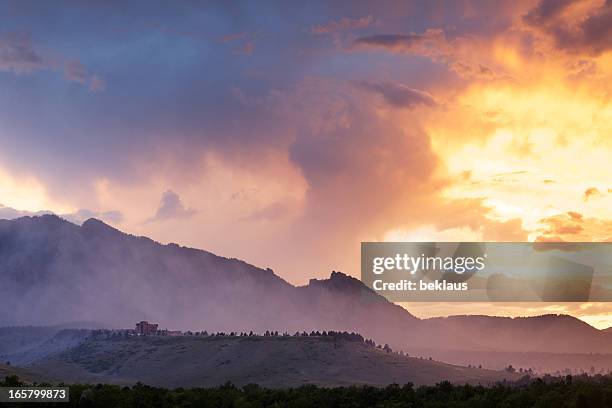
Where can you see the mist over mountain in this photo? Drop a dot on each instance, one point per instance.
(54, 272)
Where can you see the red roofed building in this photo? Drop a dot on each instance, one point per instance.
(145, 328)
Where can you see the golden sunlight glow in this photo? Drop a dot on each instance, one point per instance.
(507, 56)
(26, 193)
(529, 160)
(430, 233)
(595, 314)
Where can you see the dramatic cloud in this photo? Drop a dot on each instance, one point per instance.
(311, 131)
(338, 152)
(368, 173)
(546, 11)
(595, 32)
(467, 56)
(572, 27)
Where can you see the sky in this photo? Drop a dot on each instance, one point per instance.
(286, 134)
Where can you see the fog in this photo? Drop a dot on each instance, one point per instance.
(56, 272)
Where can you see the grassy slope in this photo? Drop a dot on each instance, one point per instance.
(23, 374)
(268, 361)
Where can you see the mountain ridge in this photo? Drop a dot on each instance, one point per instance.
(55, 271)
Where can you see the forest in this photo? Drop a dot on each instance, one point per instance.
(547, 392)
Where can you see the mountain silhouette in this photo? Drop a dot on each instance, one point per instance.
(54, 272)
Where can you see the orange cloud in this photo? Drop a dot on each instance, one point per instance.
(591, 192)
(575, 26)
(572, 226)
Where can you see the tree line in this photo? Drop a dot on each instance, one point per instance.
(547, 392)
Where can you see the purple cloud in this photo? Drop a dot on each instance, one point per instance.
(171, 207)
(18, 55)
(591, 35)
(397, 95)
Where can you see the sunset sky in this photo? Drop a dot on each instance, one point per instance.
(286, 134)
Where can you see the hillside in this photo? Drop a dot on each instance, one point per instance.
(24, 374)
(193, 361)
(55, 341)
(54, 271)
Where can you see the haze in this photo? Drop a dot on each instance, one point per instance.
(286, 136)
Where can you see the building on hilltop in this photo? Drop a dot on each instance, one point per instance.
(145, 328)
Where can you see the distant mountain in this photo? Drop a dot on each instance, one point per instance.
(548, 333)
(53, 271)
(273, 361)
(538, 362)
